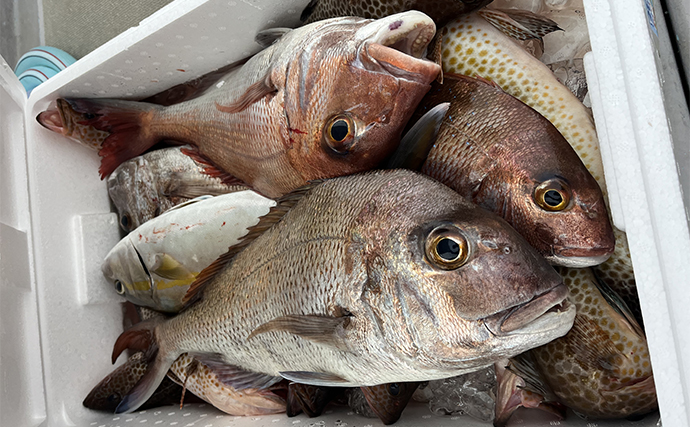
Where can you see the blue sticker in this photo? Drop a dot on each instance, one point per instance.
(649, 8)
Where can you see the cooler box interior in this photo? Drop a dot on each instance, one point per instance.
(59, 317)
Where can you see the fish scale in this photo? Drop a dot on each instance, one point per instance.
(341, 291)
(601, 369)
(472, 46)
(439, 10)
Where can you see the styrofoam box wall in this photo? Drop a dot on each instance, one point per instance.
(59, 318)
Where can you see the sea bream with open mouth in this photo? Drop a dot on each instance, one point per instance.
(301, 109)
(362, 280)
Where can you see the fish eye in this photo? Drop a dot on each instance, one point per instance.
(115, 397)
(394, 389)
(447, 248)
(552, 195)
(339, 133)
(125, 221)
(119, 287)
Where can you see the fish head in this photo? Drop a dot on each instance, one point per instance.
(132, 188)
(108, 393)
(125, 269)
(352, 89)
(470, 289)
(559, 208)
(64, 120)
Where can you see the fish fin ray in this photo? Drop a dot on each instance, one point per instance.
(316, 378)
(127, 123)
(139, 337)
(235, 376)
(267, 37)
(155, 374)
(418, 141)
(190, 188)
(274, 216)
(519, 24)
(210, 168)
(617, 303)
(320, 329)
(254, 93)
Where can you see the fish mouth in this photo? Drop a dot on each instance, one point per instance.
(399, 46)
(580, 257)
(536, 315)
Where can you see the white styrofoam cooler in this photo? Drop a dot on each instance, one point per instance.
(59, 318)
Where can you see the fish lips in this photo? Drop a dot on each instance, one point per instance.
(398, 45)
(534, 316)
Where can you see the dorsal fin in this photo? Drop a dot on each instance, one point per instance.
(274, 216)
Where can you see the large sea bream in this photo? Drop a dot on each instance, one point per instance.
(362, 280)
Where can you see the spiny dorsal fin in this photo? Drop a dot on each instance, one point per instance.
(210, 168)
(274, 216)
(520, 25)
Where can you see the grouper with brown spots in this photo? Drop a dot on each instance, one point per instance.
(301, 109)
(507, 158)
(362, 280)
(601, 367)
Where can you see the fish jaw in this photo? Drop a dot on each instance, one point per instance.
(534, 315)
(399, 43)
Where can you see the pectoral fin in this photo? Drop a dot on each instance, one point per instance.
(235, 376)
(169, 268)
(267, 37)
(253, 94)
(319, 329)
(418, 141)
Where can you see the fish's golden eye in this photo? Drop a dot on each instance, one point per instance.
(552, 195)
(119, 287)
(447, 249)
(394, 389)
(339, 133)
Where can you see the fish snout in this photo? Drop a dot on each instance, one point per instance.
(551, 303)
(398, 44)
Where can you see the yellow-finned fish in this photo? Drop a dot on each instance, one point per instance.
(154, 265)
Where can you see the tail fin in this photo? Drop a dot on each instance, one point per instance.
(142, 337)
(126, 121)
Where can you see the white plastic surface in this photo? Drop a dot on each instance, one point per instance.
(21, 394)
(628, 106)
(69, 212)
